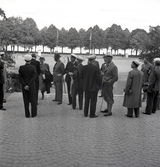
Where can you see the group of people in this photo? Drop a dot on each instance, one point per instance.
(88, 80)
(85, 81)
(146, 81)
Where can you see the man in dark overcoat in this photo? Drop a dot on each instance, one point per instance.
(36, 63)
(133, 89)
(69, 72)
(27, 77)
(77, 88)
(154, 89)
(91, 84)
(1, 83)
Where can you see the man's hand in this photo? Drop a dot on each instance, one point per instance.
(26, 87)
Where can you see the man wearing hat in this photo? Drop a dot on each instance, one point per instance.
(154, 89)
(91, 83)
(133, 89)
(2, 81)
(27, 77)
(95, 62)
(146, 69)
(58, 71)
(77, 88)
(69, 72)
(110, 76)
(37, 65)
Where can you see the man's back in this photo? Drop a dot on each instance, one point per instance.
(27, 74)
(91, 78)
(36, 64)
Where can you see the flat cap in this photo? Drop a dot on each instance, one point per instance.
(156, 59)
(57, 55)
(27, 57)
(108, 55)
(80, 58)
(136, 62)
(2, 53)
(33, 55)
(73, 55)
(91, 57)
(41, 57)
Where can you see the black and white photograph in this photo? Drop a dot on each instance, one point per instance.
(79, 83)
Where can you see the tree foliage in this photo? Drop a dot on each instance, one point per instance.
(15, 31)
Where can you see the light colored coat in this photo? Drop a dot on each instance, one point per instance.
(133, 89)
(58, 71)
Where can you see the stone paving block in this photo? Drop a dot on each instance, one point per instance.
(62, 137)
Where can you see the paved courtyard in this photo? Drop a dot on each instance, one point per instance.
(62, 137)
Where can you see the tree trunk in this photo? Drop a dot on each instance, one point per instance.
(80, 50)
(17, 48)
(106, 50)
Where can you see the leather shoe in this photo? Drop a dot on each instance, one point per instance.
(4, 100)
(69, 103)
(104, 111)
(59, 103)
(130, 116)
(2, 109)
(54, 100)
(146, 113)
(95, 116)
(108, 114)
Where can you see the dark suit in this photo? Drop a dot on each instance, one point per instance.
(1, 84)
(91, 83)
(58, 71)
(153, 91)
(37, 65)
(77, 87)
(69, 68)
(27, 77)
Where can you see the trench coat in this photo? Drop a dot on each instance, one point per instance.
(133, 89)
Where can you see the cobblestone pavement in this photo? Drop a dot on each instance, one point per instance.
(62, 137)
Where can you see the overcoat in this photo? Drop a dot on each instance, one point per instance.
(133, 89)
(58, 71)
(91, 78)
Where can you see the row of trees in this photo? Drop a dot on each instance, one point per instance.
(15, 31)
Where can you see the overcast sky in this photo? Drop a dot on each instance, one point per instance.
(78, 14)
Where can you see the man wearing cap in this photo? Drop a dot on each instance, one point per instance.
(2, 81)
(77, 87)
(37, 65)
(146, 69)
(69, 72)
(58, 71)
(95, 62)
(110, 76)
(133, 89)
(27, 77)
(154, 89)
(91, 84)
